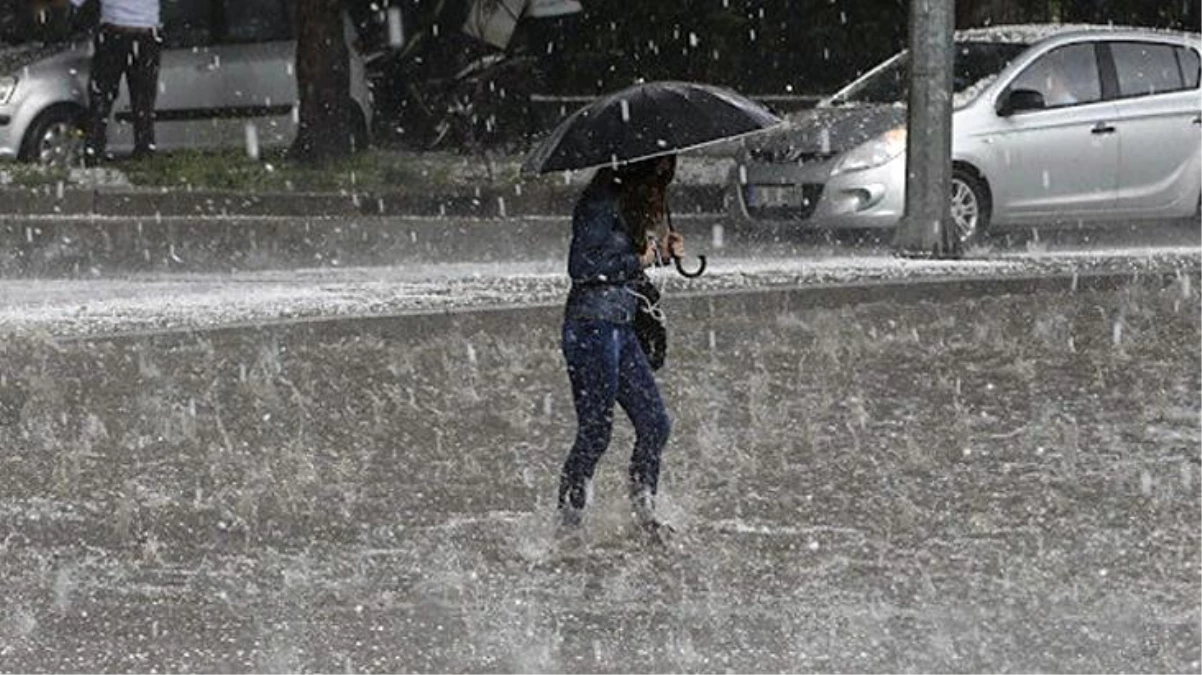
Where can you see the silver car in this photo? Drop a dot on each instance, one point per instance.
(227, 77)
(1050, 124)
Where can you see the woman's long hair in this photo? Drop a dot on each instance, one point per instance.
(642, 194)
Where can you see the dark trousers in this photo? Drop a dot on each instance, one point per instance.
(606, 364)
(134, 54)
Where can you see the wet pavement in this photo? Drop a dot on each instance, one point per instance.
(994, 483)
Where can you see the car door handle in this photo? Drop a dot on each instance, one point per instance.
(1198, 120)
(1102, 128)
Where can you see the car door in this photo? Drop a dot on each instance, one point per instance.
(1060, 161)
(189, 80)
(1159, 126)
(257, 52)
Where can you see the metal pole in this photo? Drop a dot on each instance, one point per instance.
(925, 229)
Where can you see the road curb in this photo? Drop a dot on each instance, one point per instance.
(682, 308)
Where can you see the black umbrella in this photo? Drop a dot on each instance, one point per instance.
(645, 121)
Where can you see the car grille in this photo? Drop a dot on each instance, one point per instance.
(782, 202)
(788, 155)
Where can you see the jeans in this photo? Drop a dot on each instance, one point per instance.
(606, 364)
(136, 56)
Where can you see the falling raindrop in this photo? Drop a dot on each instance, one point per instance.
(694, 40)
(252, 141)
(718, 239)
(396, 36)
(1116, 332)
(742, 174)
(1047, 180)
(625, 108)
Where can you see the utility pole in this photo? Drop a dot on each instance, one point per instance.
(925, 230)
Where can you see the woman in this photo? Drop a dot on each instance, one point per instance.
(611, 245)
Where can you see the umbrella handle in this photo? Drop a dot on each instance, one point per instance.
(676, 259)
(685, 273)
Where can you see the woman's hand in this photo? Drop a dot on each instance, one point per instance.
(673, 246)
(650, 254)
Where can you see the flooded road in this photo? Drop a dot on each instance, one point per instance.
(1004, 483)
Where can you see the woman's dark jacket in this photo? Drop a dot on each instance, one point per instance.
(602, 260)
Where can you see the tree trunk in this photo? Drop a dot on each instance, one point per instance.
(323, 83)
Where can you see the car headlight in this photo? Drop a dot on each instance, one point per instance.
(876, 152)
(8, 84)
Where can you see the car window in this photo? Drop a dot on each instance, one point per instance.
(187, 23)
(1065, 76)
(1145, 68)
(256, 21)
(1191, 66)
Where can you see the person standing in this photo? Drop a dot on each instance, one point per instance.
(610, 248)
(127, 43)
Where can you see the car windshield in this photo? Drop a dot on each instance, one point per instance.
(976, 65)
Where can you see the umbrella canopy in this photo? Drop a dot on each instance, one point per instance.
(644, 121)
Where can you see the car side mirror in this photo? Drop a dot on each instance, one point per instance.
(1018, 100)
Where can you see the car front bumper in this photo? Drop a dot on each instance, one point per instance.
(808, 196)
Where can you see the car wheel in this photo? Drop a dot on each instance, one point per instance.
(971, 205)
(56, 138)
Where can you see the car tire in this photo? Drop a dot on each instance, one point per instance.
(972, 205)
(56, 138)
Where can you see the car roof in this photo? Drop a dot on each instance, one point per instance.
(1031, 33)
